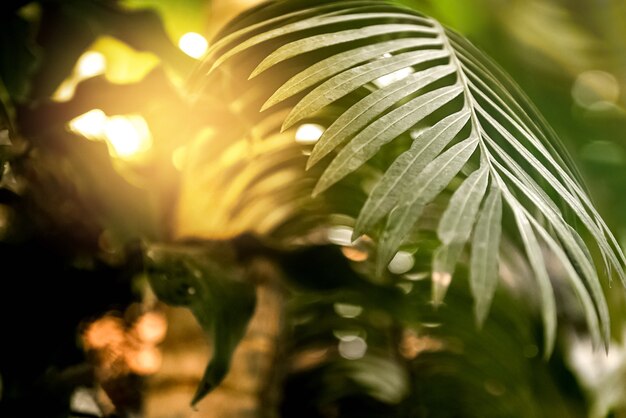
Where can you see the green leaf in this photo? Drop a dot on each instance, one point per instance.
(354, 78)
(316, 21)
(250, 28)
(316, 42)
(385, 129)
(598, 333)
(568, 236)
(216, 294)
(398, 179)
(571, 199)
(18, 56)
(517, 103)
(458, 219)
(484, 258)
(519, 152)
(430, 182)
(538, 265)
(337, 63)
(371, 107)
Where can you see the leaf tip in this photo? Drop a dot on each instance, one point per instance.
(313, 159)
(357, 232)
(258, 70)
(481, 311)
(203, 389)
(287, 123)
(440, 282)
(322, 185)
(267, 105)
(548, 348)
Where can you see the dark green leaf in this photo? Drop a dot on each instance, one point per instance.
(216, 294)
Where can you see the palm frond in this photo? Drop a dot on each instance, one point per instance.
(461, 112)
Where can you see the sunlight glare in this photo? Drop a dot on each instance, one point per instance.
(90, 124)
(309, 133)
(65, 91)
(391, 78)
(193, 44)
(128, 135)
(90, 64)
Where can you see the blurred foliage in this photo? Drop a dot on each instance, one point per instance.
(72, 218)
(208, 283)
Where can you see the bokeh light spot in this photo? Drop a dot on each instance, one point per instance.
(90, 124)
(144, 361)
(193, 44)
(309, 133)
(151, 327)
(179, 156)
(391, 78)
(128, 135)
(348, 311)
(352, 349)
(593, 87)
(91, 64)
(441, 282)
(340, 235)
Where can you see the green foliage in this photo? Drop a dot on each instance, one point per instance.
(463, 112)
(207, 282)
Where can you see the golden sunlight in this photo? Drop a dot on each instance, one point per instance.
(193, 44)
(90, 124)
(309, 133)
(90, 64)
(128, 135)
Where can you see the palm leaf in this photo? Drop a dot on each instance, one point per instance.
(459, 108)
(484, 262)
